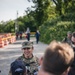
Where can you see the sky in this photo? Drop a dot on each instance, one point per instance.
(9, 8)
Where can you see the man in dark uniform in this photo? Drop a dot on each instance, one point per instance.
(28, 58)
(68, 38)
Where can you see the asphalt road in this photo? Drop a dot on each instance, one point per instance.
(12, 51)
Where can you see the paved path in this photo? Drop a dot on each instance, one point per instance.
(9, 53)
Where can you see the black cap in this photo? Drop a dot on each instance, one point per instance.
(18, 67)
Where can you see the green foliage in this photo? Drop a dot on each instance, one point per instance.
(1, 28)
(21, 26)
(57, 28)
(64, 6)
(68, 17)
(56, 32)
(44, 10)
(50, 15)
(9, 27)
(29, 22)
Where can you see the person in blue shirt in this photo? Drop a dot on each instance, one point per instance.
(37, 35)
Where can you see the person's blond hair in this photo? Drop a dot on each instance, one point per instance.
(57, 58)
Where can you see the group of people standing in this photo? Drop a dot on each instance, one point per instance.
(19, 35)
(37, 35)
(27, 35)
(70, 39)
(26, 64)
(58, 59)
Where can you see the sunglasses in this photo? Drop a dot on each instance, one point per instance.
(26, 48)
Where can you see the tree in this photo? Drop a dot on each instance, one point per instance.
(9, 27)
(64, 6)
(43, 10)
(1, 28)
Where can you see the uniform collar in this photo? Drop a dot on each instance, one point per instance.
(28, 58)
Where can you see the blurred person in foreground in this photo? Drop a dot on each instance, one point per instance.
(31, 61)
(18, 68)
(57, 59)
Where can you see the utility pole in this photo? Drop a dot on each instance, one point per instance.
(16, 24)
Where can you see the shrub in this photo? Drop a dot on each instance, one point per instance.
(56, 32)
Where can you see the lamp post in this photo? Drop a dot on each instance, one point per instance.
(16, 24)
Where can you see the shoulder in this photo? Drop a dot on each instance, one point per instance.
(20, 58)
(36, 59)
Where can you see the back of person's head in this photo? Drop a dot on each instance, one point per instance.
(57, 58)
(18, 67)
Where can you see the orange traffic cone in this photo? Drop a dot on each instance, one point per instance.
(1, 43)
